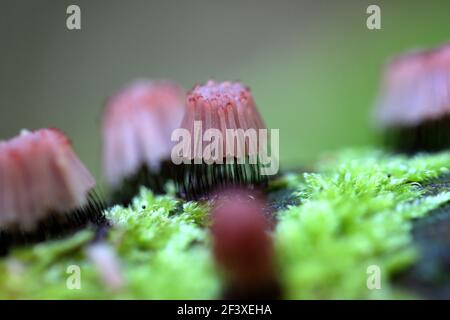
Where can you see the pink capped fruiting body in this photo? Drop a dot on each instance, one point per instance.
(137, 127)
(416, 88)
(241, 243)
(40, 174)
(222, 106)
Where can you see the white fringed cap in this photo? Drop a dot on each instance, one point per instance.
(40, 174)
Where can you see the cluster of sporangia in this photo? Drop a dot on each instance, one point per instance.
(45, 191)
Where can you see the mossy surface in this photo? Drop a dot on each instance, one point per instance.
(355, 211)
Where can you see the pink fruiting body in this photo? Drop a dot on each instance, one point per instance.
(107, 264)
(228, 112)
(416, 88)
(222, 106)
(137, 127)
(242, 245)
(40, 174)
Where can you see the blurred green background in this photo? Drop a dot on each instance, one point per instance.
(313, 66)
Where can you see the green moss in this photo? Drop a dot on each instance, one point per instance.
(355, 211)
(163, 250)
